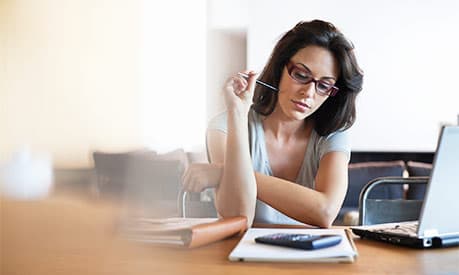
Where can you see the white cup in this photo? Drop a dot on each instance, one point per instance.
(26, 176)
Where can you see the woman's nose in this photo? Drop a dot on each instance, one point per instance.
(308, 90)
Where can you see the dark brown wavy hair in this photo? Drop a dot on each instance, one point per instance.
(337, 112)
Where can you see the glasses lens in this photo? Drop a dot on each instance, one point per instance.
(304, 77)
(300, 75)
(323, 88)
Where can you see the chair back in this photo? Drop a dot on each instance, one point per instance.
(376, 211)
(111, 171)
(191, 206)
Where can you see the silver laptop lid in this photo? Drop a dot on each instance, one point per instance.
(441, 203)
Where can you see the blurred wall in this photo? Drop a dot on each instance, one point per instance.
(226, 47)
(69, 77)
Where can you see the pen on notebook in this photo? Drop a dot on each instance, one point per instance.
(246, 76)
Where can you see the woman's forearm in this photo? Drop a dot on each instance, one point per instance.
(318, 206)
(298, 202)
(237, 192)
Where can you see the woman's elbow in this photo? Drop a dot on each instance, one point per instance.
(231, 203)
(324, 222)
(232, 209)
(326, 217)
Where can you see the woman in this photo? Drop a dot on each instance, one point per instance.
(293, 155)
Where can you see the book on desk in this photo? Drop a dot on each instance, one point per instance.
(182, 232)
(250, 251)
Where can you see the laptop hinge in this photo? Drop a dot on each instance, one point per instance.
(430, 233)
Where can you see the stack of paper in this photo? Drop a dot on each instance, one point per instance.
(186, 232)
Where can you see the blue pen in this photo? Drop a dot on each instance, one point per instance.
(246, 76)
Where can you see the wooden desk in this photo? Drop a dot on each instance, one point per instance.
(68, 236)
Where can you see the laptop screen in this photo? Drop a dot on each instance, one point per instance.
(441, 203)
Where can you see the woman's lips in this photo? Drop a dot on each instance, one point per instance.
(300, 106)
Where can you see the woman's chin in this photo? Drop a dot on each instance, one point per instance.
(295, 115)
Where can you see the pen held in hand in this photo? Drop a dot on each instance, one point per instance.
(260, 82)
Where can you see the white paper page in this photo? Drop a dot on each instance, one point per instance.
(249, 250)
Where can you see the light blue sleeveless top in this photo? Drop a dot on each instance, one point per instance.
(317, 147)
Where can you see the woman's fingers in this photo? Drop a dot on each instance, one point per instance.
(239, 85)
(193, 181)
(244, 85)
(251, 81)
(200, 176)
(186, 180)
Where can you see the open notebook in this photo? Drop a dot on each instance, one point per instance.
(248, 250)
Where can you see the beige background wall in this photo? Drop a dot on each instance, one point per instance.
(69, 77)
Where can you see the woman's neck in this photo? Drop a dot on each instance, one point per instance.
(283, 128)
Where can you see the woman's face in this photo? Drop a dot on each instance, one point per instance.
(296, 100)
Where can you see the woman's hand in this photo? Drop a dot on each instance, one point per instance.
(200, 176)
(239, 92)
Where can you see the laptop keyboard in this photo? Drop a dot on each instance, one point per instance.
(405, 228)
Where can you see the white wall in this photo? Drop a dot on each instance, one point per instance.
(174, 74)
(226, 47)
(407, 49)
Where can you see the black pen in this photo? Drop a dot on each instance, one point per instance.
(246, 76)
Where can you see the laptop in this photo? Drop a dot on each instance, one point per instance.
(438, 224)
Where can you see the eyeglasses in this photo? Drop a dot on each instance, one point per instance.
(304, 76)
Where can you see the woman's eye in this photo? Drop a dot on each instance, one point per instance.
(301, 75)
(323, 86)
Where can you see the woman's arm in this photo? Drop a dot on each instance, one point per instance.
(316, 207)
(236, 194)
